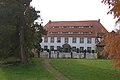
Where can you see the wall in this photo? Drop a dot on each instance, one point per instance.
(77, 44)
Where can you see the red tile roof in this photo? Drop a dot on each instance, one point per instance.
(97, 27)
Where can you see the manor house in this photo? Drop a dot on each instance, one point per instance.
(68, 36)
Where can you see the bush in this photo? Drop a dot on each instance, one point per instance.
(100, 56)
(48, 50)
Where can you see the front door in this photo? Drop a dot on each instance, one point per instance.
(66, 48)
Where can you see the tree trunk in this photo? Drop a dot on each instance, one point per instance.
(24, 57)
(39, 54)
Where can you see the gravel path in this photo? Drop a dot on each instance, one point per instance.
(55, 73)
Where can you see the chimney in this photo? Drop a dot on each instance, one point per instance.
(99, 20)
(49, 21)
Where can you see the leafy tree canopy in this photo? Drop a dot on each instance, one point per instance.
(114, 6)
(113, 39)
(17, 19)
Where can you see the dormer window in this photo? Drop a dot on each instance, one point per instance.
(75, 32)
(86, 26)
(56, 26)
(65, 26)
(76, 26)
(54, 32)
(90, 26)
(64, 32)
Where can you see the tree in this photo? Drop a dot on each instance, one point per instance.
(38, 37)
(8, 34)
(114, 6)
(17, 27)
(113, 39)
(112, 47)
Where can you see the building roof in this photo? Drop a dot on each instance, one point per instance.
(89, 28)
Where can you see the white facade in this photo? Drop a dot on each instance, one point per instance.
(85, 44)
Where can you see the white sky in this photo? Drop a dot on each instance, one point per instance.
(74, 10)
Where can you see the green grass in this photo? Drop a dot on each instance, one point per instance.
(32, 71)
(76, 69)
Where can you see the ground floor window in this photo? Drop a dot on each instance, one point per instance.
(58, 48)
(74, 49)
(89, 49)
(52, 48)
(81, 49)
(45, 47)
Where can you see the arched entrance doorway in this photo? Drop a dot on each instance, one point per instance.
(66, 48)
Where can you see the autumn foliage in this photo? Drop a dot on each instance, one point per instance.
(113, 47)
(113, 39)
(114, 6)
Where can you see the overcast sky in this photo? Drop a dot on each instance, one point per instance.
(74, 10)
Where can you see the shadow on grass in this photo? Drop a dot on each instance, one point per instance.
(32, 71)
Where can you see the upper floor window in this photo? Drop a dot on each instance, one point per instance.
(45, 39)
(66, 39)
(89, 40)
(52, 39)
(73, 40)
(81, 40)
(58, 39)
(96, 40)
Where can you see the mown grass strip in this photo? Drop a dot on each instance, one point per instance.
(76, 69)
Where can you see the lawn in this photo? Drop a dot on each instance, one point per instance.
(76, 69)
(32, 71)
